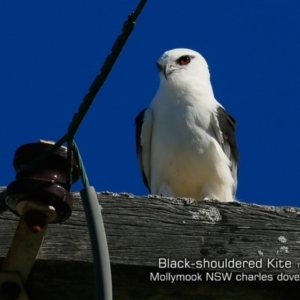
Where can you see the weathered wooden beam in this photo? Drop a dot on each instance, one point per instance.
(257, 241)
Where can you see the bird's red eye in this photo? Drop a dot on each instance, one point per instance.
(184, 60)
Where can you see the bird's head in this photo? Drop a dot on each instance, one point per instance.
(182, 64)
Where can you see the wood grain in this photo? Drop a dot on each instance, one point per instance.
(141, 230)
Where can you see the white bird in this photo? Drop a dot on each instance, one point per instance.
(185, 140)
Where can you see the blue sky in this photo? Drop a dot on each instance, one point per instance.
(51, 52)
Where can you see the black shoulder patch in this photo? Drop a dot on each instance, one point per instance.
(139, 120)
(227, 125)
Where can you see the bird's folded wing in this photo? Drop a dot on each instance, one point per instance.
(224, 128)
(143, 134)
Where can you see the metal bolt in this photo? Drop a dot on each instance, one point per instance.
(35, 221)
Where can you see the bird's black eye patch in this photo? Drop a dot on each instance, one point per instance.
(184, 60)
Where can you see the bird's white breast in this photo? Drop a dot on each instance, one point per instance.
(183, 146)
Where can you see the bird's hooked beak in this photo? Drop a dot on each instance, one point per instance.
(167, 69)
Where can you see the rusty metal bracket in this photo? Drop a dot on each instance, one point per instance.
(26, 243)
(39, 197)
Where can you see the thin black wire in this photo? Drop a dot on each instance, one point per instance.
(88, 99)
(109, 62)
